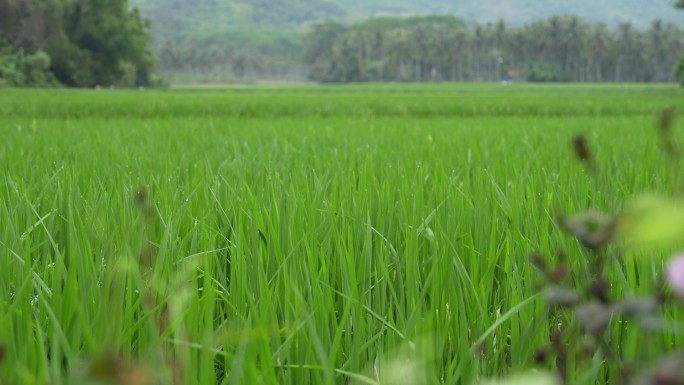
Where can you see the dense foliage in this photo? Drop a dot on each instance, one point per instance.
(73, 42)
(562, 48)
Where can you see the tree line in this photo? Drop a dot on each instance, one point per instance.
(85, 43)
(444, 48)
(81, 43)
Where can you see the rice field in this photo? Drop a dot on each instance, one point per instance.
(284, 234)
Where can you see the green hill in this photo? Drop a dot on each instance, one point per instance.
(180, 19)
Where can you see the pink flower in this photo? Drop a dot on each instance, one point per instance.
(674, 274)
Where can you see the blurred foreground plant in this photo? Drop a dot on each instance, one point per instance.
(586, 302)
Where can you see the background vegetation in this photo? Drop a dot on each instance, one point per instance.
(231, 40)
(441, 48)
(111, 43)
(73, 42)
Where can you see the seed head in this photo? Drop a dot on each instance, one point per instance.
(665, 130)
(538, 262)
(141, 196)
(558, 273)
(541, 355)
(666, 119)
(556, 338)
(599, 289)
(581, 148)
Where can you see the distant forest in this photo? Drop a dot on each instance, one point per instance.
(561, 48)
(86, 43)
(444, 48)
(243, 40)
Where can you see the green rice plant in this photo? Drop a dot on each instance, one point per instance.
(367, 234)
